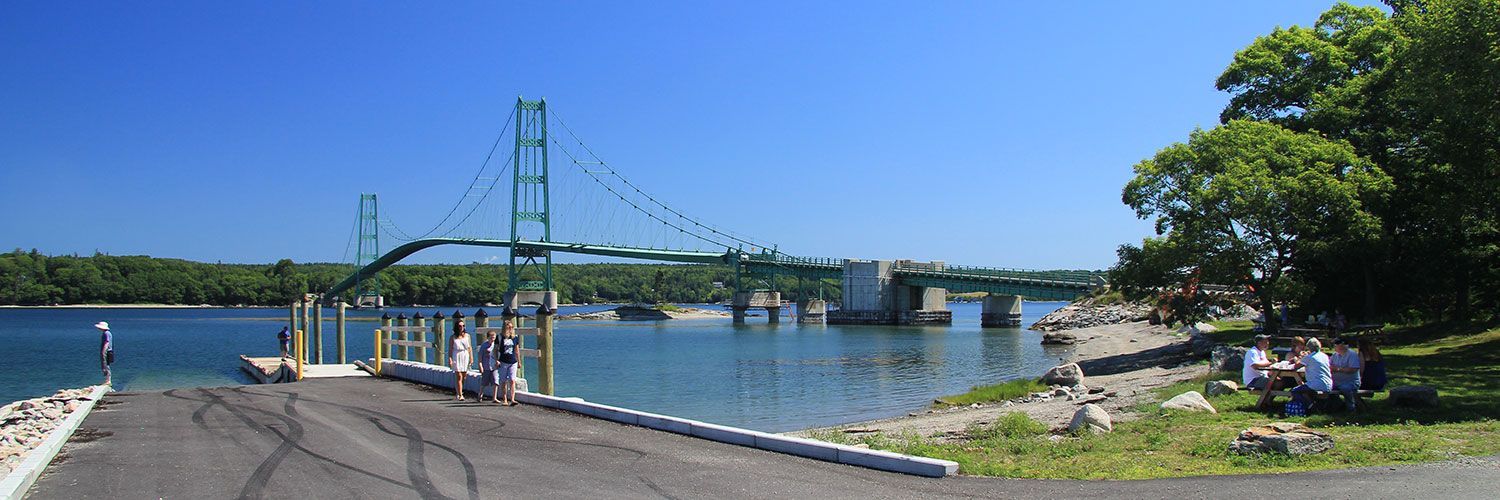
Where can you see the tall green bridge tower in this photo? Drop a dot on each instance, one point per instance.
(530, 268)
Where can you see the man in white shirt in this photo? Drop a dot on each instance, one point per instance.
(1256, 361)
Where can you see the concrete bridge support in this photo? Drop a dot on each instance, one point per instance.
(811, 310)
(744, 301)
(873, 296)
(1001, 311)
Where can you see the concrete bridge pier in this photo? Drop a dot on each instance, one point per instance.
(1001, 311)
(744, 301)
(811, 310)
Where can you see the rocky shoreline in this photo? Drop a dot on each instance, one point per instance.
(1118, 366)
(633, 313)
(1087, 314)
(25, 424)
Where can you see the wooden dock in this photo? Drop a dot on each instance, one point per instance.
(276, 370)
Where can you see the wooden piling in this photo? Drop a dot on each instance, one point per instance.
(544, 345)
(317, 330)
(338, 329)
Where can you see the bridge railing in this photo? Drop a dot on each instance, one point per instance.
(785, 259)
(1057, 277)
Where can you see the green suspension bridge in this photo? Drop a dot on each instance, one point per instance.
(586, 207)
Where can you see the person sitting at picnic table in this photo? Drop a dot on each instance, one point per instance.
(1346, 366)
(1256, 362)
(1319, 376)
(1339, 322)
(1372, 377)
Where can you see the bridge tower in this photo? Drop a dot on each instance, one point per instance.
(367, 288)
(530, 268)
(530, 208)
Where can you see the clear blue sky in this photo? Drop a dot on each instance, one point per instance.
(981, 133)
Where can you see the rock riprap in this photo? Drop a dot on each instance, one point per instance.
(1189, 401)
(1085, 313)
(1281, 437)
(25, 424)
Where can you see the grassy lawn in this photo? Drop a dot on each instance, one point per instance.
(1462, 362)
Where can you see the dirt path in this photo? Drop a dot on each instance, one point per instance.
(1125, 360)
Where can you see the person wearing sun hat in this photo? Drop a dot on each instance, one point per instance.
(106, 348)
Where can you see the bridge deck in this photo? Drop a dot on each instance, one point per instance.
(375, 438)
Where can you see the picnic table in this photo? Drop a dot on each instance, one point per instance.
(1275, 373)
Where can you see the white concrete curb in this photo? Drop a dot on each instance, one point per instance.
(15, 484)
(810, 448)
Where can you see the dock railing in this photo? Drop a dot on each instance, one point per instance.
(391, 342)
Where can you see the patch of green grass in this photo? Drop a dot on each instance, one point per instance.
(1235, 333)
(667, 308)
(998, 392)
(1110, 297)
(1010, 425)
(1462, 362)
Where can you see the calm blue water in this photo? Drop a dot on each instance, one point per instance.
(768, 377)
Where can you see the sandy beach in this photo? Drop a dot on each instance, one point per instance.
(1125, 360)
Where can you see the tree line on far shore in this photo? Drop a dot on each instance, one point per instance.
(1357, 166)
(34, 278)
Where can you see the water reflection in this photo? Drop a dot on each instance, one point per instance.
(780, 377)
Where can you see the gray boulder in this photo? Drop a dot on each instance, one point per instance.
(1414, 395)
(1091, 418)
(1220, 388)
(1065, 375)
(1281, 437)
(1200, 343)
(1189, 401)
(1226, 358)
(1059, 338)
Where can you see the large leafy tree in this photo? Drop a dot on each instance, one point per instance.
(1417, 94)
(1237, 204)
(1446, 71)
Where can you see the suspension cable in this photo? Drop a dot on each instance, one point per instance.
(637, 189)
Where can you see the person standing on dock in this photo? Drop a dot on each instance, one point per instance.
(458, 357)
(286, 341)
(106, 349)
(510, 347)
(487, 375)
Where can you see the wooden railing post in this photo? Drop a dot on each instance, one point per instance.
(401, 352)
(417, 320)
(382, 350)
(439, 354)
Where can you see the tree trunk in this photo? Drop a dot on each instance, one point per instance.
(1268, 310)
(1369, 290)
(1461, 312)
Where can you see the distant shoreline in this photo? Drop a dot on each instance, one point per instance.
(138, 306)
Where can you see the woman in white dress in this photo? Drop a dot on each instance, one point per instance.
(458, 357)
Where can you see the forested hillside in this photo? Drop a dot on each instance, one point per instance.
(33, 278)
